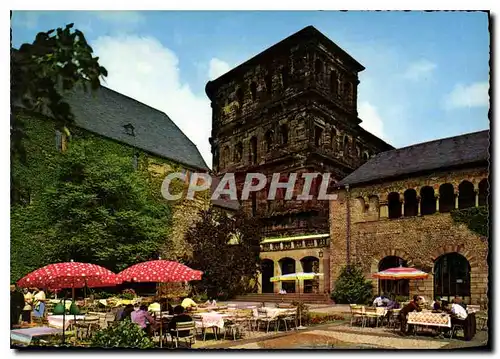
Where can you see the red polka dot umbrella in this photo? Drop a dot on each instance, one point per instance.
(70, 275)
(159, 271)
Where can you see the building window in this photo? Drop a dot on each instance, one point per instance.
(284, 77)
(446, 198)
(411, 203)
(394, 205)
(318, 134)
(346, 145)
(334, 139)
(427, 201)
(483, 192)
(238, 152)
(240, 96)
(129, 129)
(253, 150)
(253, 91)
(334, 83)
(466, 195)
(358, 151)
(269, 140)
(318, 68)
(366, 156)
(269, 83)
(452, 277)
(284, 134)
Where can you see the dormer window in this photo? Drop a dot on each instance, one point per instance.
(129, 129)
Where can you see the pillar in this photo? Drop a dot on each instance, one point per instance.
(402, 208)
(456, 200)
(476, 192)
(384, 210)
(419, 204)
(437, 203)
(322, 265)
(277, 272)
(299, 286)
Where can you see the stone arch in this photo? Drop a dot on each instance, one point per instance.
(287, 265)
(446, 197)
(268, 139)
(310, 264)
(253, 150)
(460, 249)
(466, 195)
(238, 152)
(267, 270)
(410, 203)
(452, 276)
(483, 190)
(283, 133)
(397, 287)
(390, 253)
(366, 156)
(427, 201)
(359, 205)
(394, 205)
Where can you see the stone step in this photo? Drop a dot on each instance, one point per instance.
(290, 297)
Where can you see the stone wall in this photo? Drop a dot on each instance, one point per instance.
(419, 239)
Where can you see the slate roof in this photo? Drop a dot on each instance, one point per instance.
(106, 112)
(449, 152)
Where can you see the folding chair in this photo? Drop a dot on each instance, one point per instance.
(183, 327)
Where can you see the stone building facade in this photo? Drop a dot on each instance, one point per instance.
(291, 108)
(395, 211)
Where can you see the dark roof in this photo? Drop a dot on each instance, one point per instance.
(109, 113)
(309, 32)
(449, 152)
(232, 205)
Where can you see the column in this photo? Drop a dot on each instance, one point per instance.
(277, 272)
(476, 192)
(321, 269)
(402, 208)
(437, 203)
(419, 205)
(456, 200)
(260, 282)
(299, 286)
(384, 212)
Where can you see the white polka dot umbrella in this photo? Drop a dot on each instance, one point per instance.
(160, 271)
(70, 275)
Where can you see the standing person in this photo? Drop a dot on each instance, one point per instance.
(414, 305)
(16, 305)
(38, 303)
(28, 300)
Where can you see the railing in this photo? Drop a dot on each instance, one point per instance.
(295, 244)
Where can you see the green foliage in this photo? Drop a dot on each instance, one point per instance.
(351, 287)
(476, 219)
(95, 208)
(228, 268)
(125, 335)
(57, 60)
(322, 318)
(302, 312)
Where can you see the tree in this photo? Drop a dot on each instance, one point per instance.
(351, 287)
(100, 210)
(41, 71)
(226, 250)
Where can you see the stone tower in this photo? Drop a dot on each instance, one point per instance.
(291, 108)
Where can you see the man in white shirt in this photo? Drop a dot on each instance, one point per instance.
(458, 311)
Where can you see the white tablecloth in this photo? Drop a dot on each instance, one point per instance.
(26, 335)
(56, 321)
(211, 319)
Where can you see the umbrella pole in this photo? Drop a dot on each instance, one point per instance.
(161, 322)
(64, 319)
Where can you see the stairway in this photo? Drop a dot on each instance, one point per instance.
(287, 298)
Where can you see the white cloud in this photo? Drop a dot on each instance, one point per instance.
(420, 70)
(120, 17)
(151, 75)
(371, 120)
(217, 68)
(473, 95)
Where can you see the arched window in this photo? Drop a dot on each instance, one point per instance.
(238, 152)
(373, 206)
(253, 150)
(268, 79)
(310, 265)
(226, 156)
(334, 139)
(411, 203)
(253, 90)
(287, 266)
(427, 201)
(394, 205)
(318, 67)
(334, 83)
(358, 151)
(397, 287)
(466, 195)
(446, 197)
(346, 145)
(285, 77)
(284, 134)
(483, 192)
(267, 270)
(359, 205)
(366, 156)
(269, 140)
(452, 277)
(318, 135)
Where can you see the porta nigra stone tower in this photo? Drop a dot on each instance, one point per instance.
(291, 108)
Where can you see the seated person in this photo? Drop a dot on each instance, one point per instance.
(166, 306)
(437, 306)
(379, 301)
(392, 304)
(179, 317)
(460, 302)
(189, 304)
(126, 313)
(457, 312)
(414, 305)
(144, 319)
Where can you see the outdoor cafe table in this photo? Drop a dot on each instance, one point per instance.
(26, 335)
(56, 321)
(430, 319)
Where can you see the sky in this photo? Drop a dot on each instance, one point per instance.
(426, 76)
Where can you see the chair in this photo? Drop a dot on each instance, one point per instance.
(290, 316)
(456, 327)
(357, 312)
(182, 327)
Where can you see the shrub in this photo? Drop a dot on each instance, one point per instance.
(321, 318)
(351, 287)
(125, 335)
